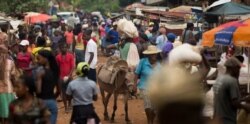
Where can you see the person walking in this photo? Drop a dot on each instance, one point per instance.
(47, 79)
(78, 44)
(168, 46)
(27, 109)
(145, 69)
(7, 71)
(227, 94)
(91, 54)
(66, 63)
(24, 58)
(69, 37)
(84, 92)
(162, 38)
(187, 35)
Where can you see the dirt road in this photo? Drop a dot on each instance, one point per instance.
(136, 110)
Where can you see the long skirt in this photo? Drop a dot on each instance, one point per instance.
(5, 100)
(82, 113)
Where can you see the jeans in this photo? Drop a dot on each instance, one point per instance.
(52, 107)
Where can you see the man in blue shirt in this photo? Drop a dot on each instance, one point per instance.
(143, 71)
(113, 35)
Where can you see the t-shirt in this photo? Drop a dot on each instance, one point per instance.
(124, 51)
(225, 90)
(166, 49)
(91, 47)
(144, 70)
(186, 36)
(102, 32)
(82, 90)
(24, 60)
(160, 41)
(66, 64)
(114, 36)
(55, 41)
(69, 37)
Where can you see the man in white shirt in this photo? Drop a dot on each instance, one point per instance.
(90, 54)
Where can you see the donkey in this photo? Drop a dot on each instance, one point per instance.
(123, 84)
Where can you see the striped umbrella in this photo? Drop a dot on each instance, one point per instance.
(235, 32)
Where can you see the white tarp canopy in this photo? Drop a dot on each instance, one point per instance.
(179, 26)
(217, 3)
(15, 23)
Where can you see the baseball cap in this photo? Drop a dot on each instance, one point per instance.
(37, 27)
(103, 23)
(233, 62)
(24, 43)
(171, 36)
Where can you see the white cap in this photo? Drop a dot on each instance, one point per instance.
(24, 43)
(103, 23)
(85, 26)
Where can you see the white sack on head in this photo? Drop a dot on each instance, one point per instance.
(184, 53)
(127, 28)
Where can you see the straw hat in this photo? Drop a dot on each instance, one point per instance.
(151, 50)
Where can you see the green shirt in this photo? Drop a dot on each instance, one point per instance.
(124, 51)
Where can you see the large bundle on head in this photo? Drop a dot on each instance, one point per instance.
(127, 28)
(184, 54)
(175, 94)
(166, 86)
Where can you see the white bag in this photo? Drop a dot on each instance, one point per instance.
(127, 28)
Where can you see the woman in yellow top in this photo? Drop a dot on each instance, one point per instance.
(40, 45)
(79, 48)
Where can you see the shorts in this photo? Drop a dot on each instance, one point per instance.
(146, 100)
(64, 86)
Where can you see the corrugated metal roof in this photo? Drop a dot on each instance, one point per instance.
(166, 14)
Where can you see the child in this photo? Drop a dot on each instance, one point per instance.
(55, 40)
(66, 64)
(83, 91)
(24, 58)
(27, 109)
(69, 37)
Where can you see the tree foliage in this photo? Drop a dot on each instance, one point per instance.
(10, 6)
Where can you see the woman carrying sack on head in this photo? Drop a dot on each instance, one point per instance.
(128, 50)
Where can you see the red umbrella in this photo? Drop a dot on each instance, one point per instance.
(38, 18)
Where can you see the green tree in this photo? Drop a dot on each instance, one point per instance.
(10, 6)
